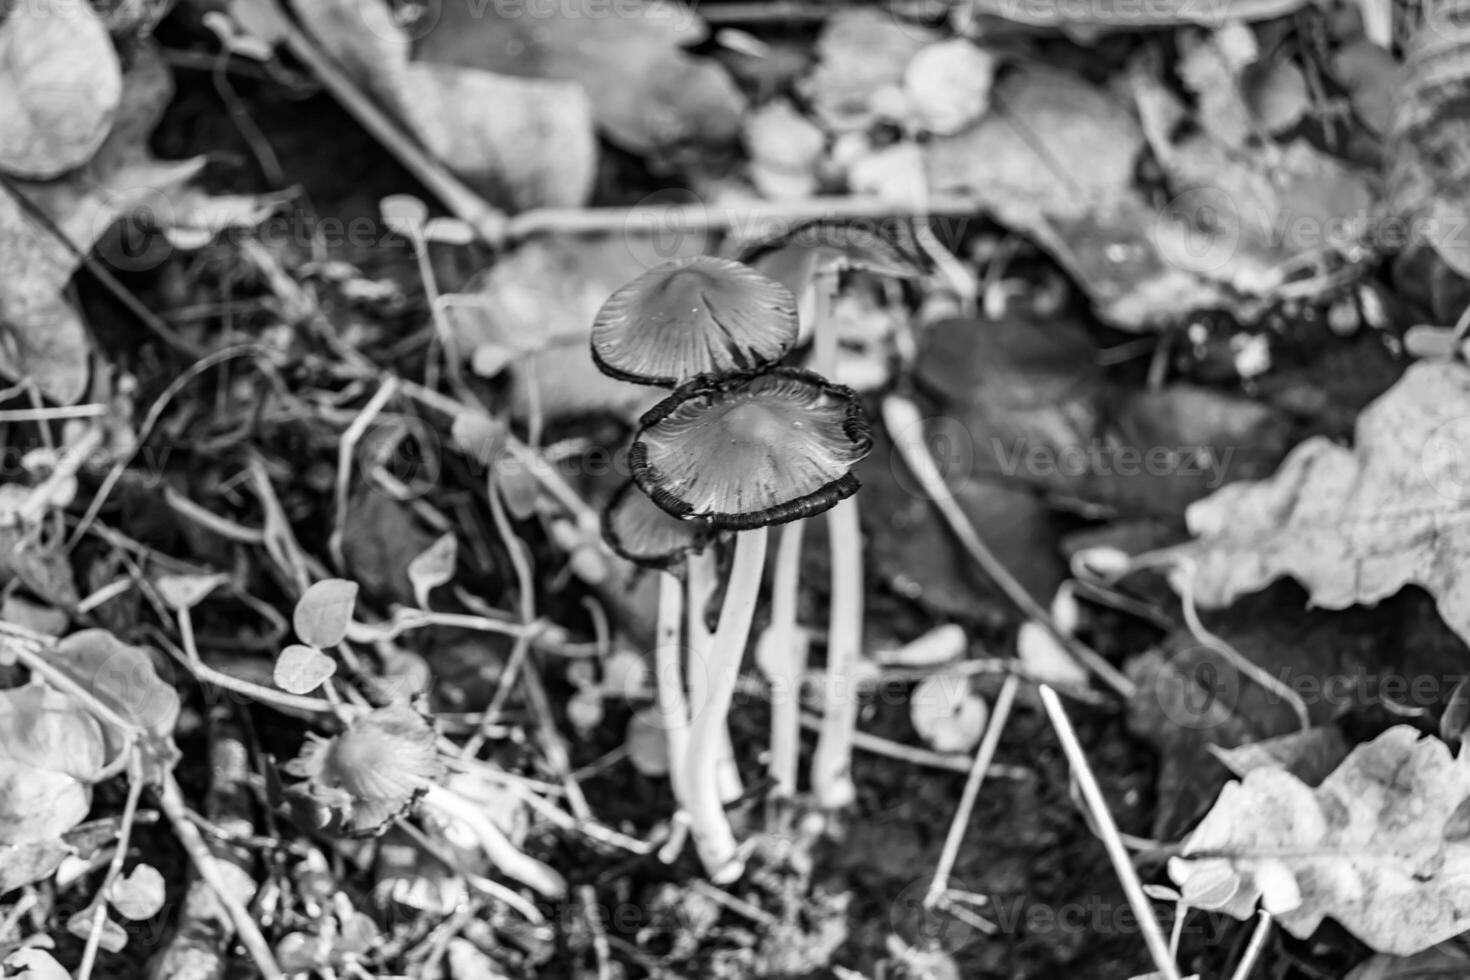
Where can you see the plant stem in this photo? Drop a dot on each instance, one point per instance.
(669, 678)
(1097, 805)
(713, 838)
(832, 761)
(702, 579)
(983, 756)
(787, 663)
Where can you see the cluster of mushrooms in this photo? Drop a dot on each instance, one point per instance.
(739, 445)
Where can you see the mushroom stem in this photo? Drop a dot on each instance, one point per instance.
(702, 579)
(669, 678)
(787, 663)
(713, 838)
(832, 760)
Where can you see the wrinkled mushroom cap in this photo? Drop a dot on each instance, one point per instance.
(691, 317)
(747, 451)
(645, 534)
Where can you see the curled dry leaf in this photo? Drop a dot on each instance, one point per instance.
(1368, 847)
(60, 85)
(947, 713)
(1354, 525)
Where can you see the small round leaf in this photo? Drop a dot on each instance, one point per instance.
(138, 895)
(301, 669)
(323, 613)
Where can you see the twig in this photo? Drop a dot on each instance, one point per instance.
(983, 757)
(1148, 923)
(904, 424)
(912, 754)
(346, 449)
(751, 219)
(114, 868)
(1253, 951)
(171, 801)
(39, 499)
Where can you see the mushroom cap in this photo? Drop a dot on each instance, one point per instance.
(690, 317)
(794, 257)
(751, 450)
(645, 534)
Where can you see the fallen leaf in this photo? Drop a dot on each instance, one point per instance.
(35, 964)
(1354, 525)
(1442, 960)
(1366, 847)
(948, 85)
(50, 750)
(122, 677)
(187, 591)
(44, 338)
(60, 85)
(23, 864)
(1428, 134)
(785, 151)
(536, 149)
(1309, 755)
(646, 93)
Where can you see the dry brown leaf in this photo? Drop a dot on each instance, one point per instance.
(522, 142)
(60, 84)
(1376, 846)
(1355, 525)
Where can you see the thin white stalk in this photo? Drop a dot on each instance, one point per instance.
(983, 757)
(702, 577)
(832, 761)
(1253, 951)
(1097, 805)
(713, 838)
(788, 663)
(673, 707)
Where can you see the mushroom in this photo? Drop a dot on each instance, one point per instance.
(692, 317)
(742, 453)
(809, 260)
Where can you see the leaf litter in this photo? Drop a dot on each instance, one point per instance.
(1173, 262)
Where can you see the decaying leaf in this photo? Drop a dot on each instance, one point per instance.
(50, 750)
(646, 93)
(122, 677)
(1429, 135)
(1355, 525)
(1368, 847)
(41, 336)
(535, 148)
(60, 84)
